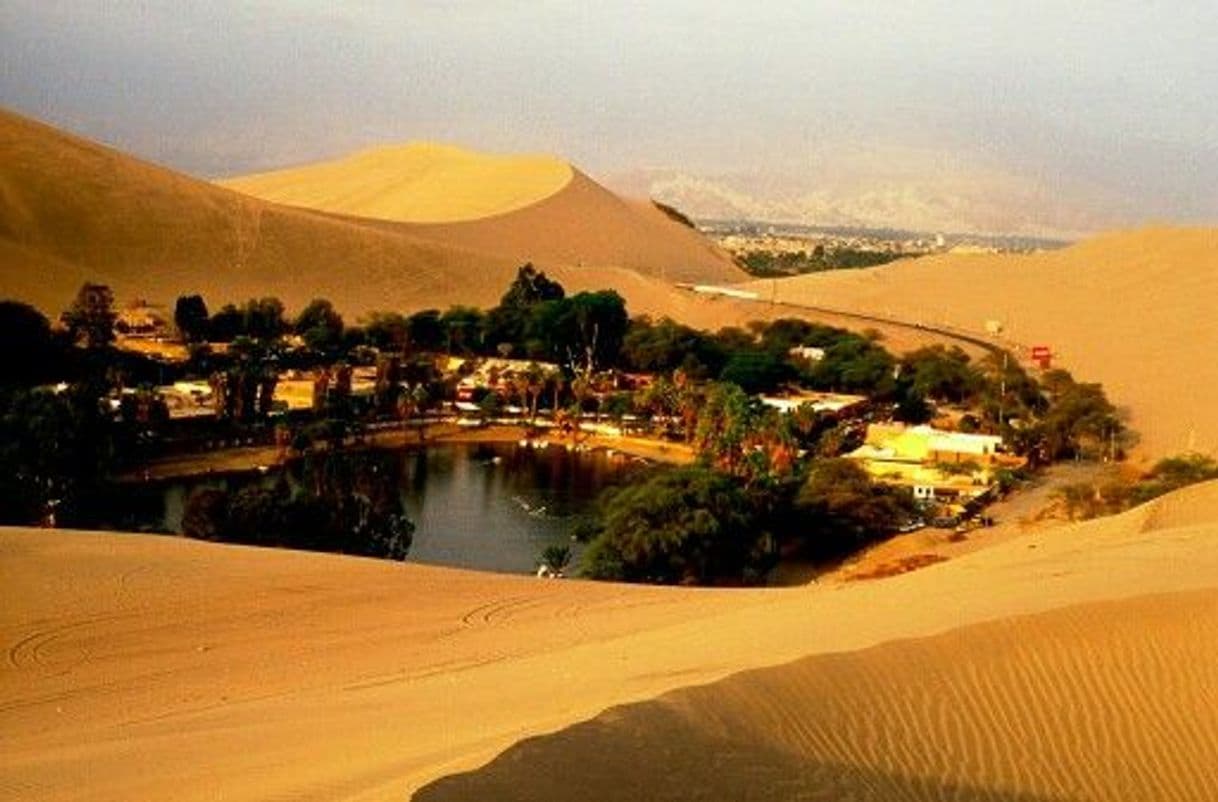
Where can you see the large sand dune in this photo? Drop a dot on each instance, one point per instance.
(149, 667)
(1134, 310)
(523, 208)
(421, 182)
(72, 210)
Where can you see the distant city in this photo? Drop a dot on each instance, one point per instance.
(750, 235)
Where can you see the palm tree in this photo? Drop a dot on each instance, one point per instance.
(558, 382)
(534, 383)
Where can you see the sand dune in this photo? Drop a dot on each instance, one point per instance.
(71, 209)
(149, 667)
(1030, 709)
(421, 182)
(1132, 310)
(523, 208)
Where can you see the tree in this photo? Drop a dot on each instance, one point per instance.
(841, 509)
(321, 326)
(345, 503)
(226, 325)
(263, 318)
(942, 374)
(1080, 421)
(726, 420)
(205, 516)
(667, 346)
(531, 287)
(386, 331)
(756, 371)
(584, 332)
(33, 354)
(91, 316)
(191, 317)
(425, 330)
(1174, 473)
(55, 450)
(681, 525)
(508, 324)
(855, 365)
(463, 328)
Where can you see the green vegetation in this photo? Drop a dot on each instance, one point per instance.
(556, 558)
(766, 482)
(34, 354)
(681, 525)
(345, 503)
(701, 525)
(766, 264)
(191, 318)
(1174, 473)
(91, 316)
(674, 214)
(839, 509)
(1084, 500)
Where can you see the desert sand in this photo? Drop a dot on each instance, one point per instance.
(1132, 310)
(419, 182)
(72, 210)
(1077, 663)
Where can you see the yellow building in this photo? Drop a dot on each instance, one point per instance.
(936, 465)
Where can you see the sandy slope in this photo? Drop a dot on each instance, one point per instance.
(71, 209)
(1133, 310)
(420, 182)
(144, 667)
(1047, 707)
(524, 208)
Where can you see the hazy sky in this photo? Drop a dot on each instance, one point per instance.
(1118, 97)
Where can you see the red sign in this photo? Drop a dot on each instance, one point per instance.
(1041, 352)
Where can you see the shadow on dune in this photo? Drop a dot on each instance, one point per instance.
(1078, 703)
(645, 752)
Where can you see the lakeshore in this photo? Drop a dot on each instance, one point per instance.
(240, 459)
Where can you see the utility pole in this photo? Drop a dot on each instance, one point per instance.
(1002, 392)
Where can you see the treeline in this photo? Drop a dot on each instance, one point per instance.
(766, 264)
(701, 525)
(1086, 500)
(346, 503)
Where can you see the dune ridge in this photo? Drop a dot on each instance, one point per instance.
(1131, 309)
(419, 182)
(146, 667)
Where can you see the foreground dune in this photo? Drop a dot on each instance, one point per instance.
(1075, 704)
(1133, 310)
(149, 667)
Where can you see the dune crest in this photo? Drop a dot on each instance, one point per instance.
(419, 182)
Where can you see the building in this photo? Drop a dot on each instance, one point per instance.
(835, 404)
(937, 466)
(142, 319)
(807, 352)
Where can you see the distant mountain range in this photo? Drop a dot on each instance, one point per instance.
(957, 201)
